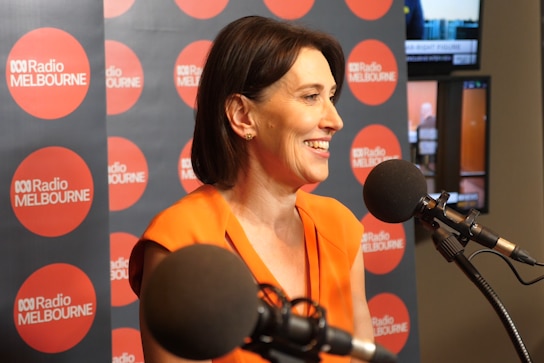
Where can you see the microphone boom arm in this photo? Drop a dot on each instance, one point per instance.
(450, 247)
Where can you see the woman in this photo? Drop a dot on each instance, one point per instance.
(265, 117)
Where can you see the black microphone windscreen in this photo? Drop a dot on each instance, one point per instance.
(393, 190)
(200, 302)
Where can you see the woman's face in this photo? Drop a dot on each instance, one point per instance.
(295, 122)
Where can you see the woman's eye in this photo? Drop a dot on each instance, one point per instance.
(312, 97)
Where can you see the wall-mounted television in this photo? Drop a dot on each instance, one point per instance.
(442, 36)
(448, 131)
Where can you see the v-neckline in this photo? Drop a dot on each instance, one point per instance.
(237, 239)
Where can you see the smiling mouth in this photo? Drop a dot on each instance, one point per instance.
(318, 145)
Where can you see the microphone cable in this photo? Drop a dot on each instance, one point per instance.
(510, 265)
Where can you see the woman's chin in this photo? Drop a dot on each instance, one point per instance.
(316, 179)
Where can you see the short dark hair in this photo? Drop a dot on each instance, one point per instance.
(247, 56)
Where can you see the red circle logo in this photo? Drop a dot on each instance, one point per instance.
(188, 69)
(289, 10)
(48, 73)
(383, 245)
(126, 346)
(372, 72)
(202, 9)
(127, 173)
(121, 245)
(372, 145)
(187, 176)
(55, 308)
(390, 320)
(52, 191)
(124, 77)
(114, 8)
(369, 9)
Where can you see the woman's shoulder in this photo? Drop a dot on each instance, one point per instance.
(322, 205)
(334, 222)
(193, 204)
(328, 213)
(196, 215)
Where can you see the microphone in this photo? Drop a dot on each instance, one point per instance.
(201, 302)
(294, 331)
(395, 190)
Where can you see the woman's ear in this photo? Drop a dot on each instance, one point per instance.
(237, 109)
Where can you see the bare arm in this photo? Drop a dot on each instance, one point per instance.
(153, 352)
(361, 315)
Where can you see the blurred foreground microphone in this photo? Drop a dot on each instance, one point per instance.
(201, 302)
(395, 190)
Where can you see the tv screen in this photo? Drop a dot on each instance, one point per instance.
(448, 131)
(442, 36)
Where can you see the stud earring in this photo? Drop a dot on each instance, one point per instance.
(249, 136)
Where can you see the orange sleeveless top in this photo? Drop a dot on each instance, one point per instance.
(332, 236)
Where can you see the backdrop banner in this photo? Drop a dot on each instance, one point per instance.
(55, 300)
